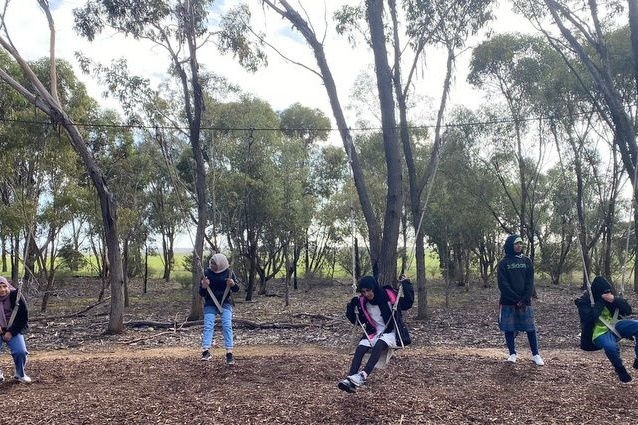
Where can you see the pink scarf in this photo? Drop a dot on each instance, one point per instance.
(5, 305)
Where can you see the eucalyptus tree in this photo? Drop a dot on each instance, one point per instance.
(181, 28)
(581, 33)
(383, 236)
(46, 99)
(245, 191)
(15, 180)
(507, 65)
(460, 223)
(59, 174)
(307, 127)
(48, 165)
(447, 25)
(567, 98)
(557, 237)
(331, 226)
(49, 174)
(453, 24)
(294, 206)
(129, 168)
(167, 197)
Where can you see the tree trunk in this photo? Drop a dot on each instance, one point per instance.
(125, 266)
(193, 112)
(635, 256)
(48, 104)
(385, 260)
(109, 220)
(374, 231)
(145, 288)
(633, 28)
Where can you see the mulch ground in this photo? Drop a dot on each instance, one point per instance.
(289, 360)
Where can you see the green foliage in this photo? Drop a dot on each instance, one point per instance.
(308, 125)
(445, 22)
(71, 258)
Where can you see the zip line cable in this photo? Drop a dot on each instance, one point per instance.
(503, 120)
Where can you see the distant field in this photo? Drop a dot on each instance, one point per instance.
(155, 267)
(180, 274)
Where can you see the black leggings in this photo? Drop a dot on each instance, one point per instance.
(531, 337)
(361, 350)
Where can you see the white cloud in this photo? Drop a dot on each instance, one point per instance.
(281, 83)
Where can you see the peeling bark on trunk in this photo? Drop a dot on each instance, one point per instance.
(374, 231)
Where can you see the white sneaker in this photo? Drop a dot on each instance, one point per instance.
(24, 379)
(512, 358)
(358, 379)
(1, 377)
(538, 360)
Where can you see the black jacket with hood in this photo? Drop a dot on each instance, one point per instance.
(515, 275)
(589, 313)
(20, 323)
(380, 299)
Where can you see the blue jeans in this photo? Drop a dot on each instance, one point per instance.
(210, 313)
(19, 352)
(609, 342)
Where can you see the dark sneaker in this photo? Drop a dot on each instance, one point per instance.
(206, 356)
(623, 375)
(230, 359)
(636, 363)
(347, 386)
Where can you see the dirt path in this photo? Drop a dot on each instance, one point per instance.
(454, 373)
(123, 351)
(273, 384)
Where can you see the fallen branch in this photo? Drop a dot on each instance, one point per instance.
(314, 316)
(66, 316)
(236, 323)
(147, 337)
(161, 325)
(255, 325)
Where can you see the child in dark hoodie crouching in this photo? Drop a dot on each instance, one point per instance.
(601, 321)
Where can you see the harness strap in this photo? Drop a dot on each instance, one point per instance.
(394, 301)
(217, 303)
(356, 313)
(17, 306)
(226, 292)
(611, 326)
(368, 318)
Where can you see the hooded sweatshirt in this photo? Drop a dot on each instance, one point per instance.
(605, 309)
(7, 305)
(380, 300)
(217, 281)
(515, 275)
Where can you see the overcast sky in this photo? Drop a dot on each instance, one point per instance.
(281, 83)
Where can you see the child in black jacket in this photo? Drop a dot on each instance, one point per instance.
(14, 317)
(373, 311)
(216, 287)
(601, 328)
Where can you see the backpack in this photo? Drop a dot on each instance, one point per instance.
(587, 318)
(406, 303)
